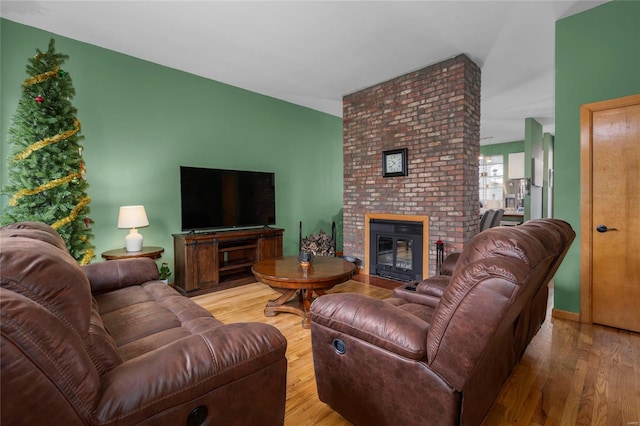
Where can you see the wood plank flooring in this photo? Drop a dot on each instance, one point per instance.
(571, 373)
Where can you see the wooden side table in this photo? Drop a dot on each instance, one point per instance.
(152, 252)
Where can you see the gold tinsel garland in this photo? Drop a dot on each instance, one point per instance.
(74, 213)
(88, 255)
(45, 186)
(41, 77)
(48, 141)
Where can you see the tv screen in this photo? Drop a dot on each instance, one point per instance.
(216, 198)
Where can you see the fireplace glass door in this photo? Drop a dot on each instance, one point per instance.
(404, 253)
(385, 251)
(395, 252)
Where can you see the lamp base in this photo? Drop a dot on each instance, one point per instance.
(133, 241)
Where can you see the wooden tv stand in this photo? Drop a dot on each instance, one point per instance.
(213, 261)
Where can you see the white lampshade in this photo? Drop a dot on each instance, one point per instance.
(132, 217)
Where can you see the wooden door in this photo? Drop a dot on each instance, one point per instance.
(611, 227)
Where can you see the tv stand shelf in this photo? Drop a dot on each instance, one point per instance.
(216, 261)
(232, 266)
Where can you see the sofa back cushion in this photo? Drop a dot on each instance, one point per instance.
(529, 242)
(506, 241)
(42, 355)
(35, 230)
(48, 275)
(498, 273)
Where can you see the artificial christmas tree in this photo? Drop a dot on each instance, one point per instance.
(47, 180)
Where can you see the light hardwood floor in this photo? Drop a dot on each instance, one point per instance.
(571, 373)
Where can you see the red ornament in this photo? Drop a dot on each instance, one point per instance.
(39, 99)
(87, 221)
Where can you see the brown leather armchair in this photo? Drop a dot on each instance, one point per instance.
(109, 344)
(420, 358)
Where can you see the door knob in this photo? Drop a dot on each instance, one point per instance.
(603, 228)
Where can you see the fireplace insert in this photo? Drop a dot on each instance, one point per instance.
(396, 249)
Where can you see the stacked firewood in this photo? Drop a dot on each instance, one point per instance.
(320, 244)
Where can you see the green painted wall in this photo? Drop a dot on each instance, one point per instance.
(597, 58)
(141, 121)
(548, 163)
(532, 149)
(502, 149)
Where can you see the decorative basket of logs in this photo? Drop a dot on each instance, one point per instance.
(320, 244)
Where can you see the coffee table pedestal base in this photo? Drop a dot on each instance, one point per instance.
(293, 301)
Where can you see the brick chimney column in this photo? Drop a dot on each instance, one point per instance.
(435, 113)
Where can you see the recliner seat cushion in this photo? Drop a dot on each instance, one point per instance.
(149, 316)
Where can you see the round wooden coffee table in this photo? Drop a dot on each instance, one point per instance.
(297, 283)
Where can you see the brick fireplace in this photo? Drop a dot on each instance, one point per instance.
(435, 113)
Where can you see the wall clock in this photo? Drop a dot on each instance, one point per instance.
(394, 162)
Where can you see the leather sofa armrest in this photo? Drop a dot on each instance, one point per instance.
(434, 286)
(115, 274)
(412, 296)
(449, 264)
(188, 369)
(372, 321)
(428, 292)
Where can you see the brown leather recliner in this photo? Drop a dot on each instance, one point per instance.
(419, 359)
(108, 344)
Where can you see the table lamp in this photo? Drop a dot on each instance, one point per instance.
(132, 217)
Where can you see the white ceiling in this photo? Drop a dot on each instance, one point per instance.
(312, 53)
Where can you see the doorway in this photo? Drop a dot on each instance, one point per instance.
(610, 212)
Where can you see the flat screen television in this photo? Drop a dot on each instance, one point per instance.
(217, 198)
